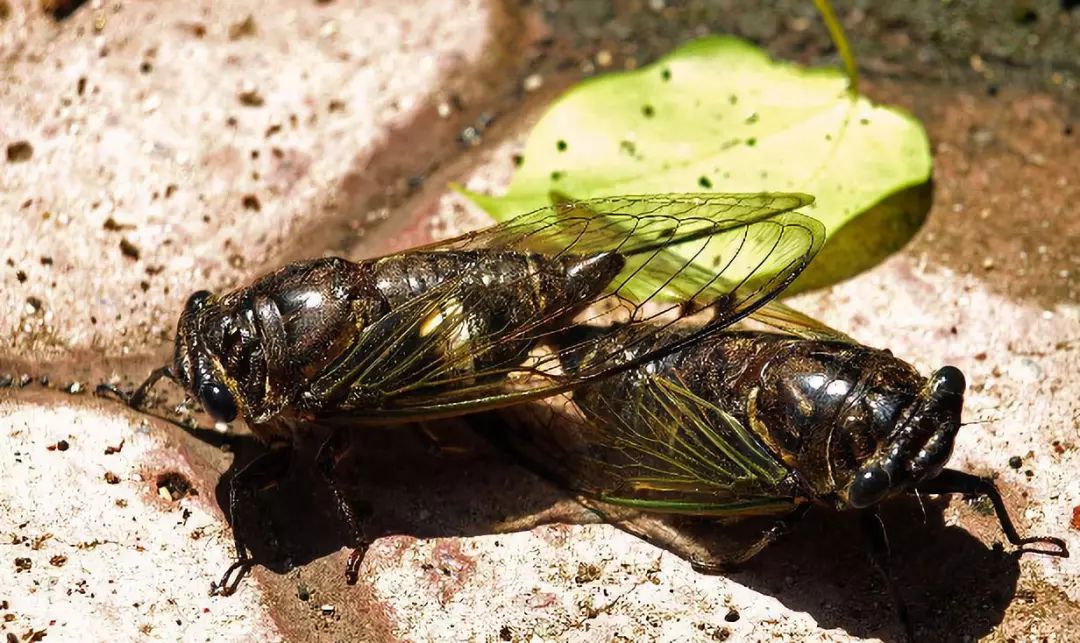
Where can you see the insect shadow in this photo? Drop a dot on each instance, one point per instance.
(403, 483)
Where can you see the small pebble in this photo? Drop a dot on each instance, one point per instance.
(327, 609)
(1016, 462)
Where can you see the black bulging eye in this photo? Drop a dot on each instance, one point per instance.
(948, 381)
(197, 299)
(217, 401)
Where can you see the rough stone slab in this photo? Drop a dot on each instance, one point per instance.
(188, 145)
(106, 555)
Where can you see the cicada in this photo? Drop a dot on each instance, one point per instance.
(464, 325)
(752, 423)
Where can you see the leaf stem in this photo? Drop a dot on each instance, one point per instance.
(836, 32)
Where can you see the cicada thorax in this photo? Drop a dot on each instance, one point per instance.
(500, 303)
(329, 334)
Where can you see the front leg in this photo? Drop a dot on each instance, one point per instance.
(263, 472)
(331, 452)
(877, 543)
(952, 481)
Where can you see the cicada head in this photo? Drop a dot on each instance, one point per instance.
(197, 368)
(919, 441)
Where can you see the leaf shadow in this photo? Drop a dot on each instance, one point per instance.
(868, 239)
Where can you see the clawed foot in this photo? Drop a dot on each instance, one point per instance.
(225, 586)
(352, 566)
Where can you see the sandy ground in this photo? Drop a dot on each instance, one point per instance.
(173, 147)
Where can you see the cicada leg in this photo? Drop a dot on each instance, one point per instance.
(330, 454)
(952, 481)
(262, 472)
(880, 557)
(712, 557)
(136, 398)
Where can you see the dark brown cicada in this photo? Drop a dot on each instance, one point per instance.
(464, 325)
(753, 423)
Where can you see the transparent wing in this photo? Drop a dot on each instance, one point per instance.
(785, 318)
(428, 358)
(651, 444)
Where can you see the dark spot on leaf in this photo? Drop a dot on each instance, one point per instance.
(733, 99)
(992, 90)
(560, 145)
(705, 182)
(753, 118)
(665, 74)
(556, 175)
(518, 160)
(647, 111)
(751, 142)
(864, 121)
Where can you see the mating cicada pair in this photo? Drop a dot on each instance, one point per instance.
(628, 309)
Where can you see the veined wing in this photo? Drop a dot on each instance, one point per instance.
(428, 359)
(650, 444)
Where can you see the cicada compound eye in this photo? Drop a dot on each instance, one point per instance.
(197, 299)
(217, 401)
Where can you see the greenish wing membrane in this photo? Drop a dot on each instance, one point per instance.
(676, 445)
(784, 318)
(419, 369)
(657, 447)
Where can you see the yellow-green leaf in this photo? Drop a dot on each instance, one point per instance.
(719, 115)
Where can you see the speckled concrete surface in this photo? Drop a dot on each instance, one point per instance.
(202, 147)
